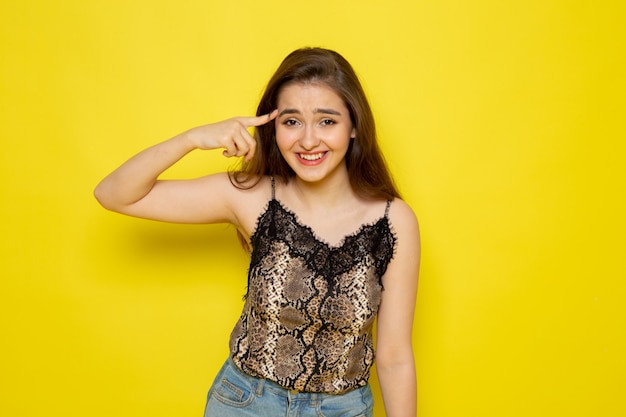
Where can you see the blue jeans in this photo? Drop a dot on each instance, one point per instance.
(236, 394)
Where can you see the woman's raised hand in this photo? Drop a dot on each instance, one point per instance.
(232, 135)
(133, 188)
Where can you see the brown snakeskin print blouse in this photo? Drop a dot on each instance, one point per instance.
(307, 320)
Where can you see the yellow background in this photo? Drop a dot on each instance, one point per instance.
(502, 120)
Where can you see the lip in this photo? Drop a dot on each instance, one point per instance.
(311, 158)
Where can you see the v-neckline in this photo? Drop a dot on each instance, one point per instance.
(340, 244)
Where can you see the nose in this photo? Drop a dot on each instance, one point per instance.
(309, 139)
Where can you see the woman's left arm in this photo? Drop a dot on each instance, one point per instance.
(395, 363)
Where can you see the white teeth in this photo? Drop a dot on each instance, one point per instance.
(311, 157)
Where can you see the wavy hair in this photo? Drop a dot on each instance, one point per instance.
(367, 170)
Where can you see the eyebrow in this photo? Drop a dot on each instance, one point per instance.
(323, 111)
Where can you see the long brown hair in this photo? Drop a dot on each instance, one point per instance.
(367, 171)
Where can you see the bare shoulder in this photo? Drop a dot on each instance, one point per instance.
(403, 218)
(408, 247)
(248, 200)
(214, 198)
(249, 191)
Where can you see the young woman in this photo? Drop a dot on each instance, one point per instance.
(332, 246)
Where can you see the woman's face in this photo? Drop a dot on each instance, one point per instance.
(313, 131)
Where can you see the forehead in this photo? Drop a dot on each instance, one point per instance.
(303, 94)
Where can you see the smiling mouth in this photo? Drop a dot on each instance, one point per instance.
(312, 156)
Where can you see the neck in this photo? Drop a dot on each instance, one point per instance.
(324, 193)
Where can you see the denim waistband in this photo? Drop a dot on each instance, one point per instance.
(266, 384)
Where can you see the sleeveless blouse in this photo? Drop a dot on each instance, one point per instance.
(310, 307)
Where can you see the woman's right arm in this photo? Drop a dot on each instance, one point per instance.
(134, 188)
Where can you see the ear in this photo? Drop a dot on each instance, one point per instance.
(353, 133)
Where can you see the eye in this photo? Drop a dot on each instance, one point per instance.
(327, 122)
(290, 122)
